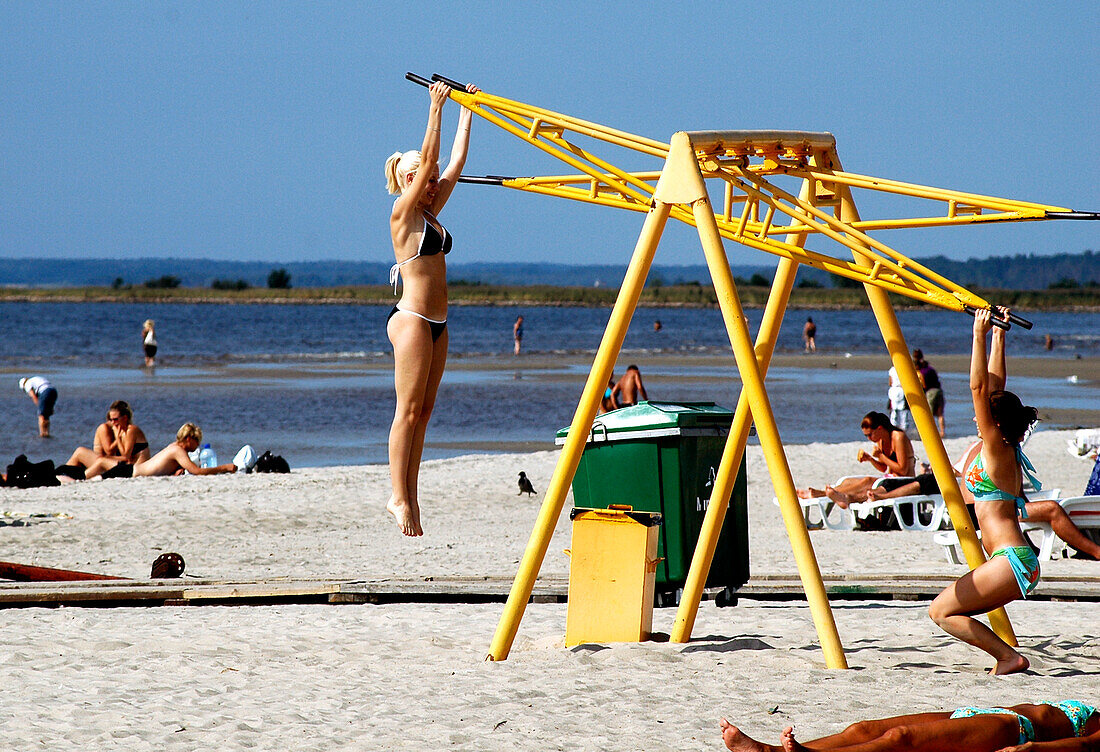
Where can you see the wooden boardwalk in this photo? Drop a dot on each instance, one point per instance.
(380, 590)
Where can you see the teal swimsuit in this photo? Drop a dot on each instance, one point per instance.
(1076, 711)
(1024, 562)
(982, 486)
(1027, 729)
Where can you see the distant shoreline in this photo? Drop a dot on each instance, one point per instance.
(672, 296)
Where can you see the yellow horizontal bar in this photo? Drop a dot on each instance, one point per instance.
(920, 191)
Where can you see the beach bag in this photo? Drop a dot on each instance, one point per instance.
(271, 463)
(22, 473)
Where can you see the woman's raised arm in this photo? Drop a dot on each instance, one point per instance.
(459, 150)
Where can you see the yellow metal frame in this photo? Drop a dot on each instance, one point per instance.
(752, 208)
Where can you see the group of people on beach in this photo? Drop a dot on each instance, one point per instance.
(120, 450)
(994, 474)
(44, 394)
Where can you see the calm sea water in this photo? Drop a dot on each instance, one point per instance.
(314, 384)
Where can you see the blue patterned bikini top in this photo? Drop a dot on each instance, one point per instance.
(983, 488)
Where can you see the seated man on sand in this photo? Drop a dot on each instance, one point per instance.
(1066, 726)
(892, 456)
(172, 460)
(116, 437)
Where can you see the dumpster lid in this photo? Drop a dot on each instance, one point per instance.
(647, 419)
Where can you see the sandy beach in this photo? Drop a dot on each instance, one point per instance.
(412, 676)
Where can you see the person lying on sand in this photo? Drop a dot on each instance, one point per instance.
(892, 455)
(1068, 726)
(172, 460)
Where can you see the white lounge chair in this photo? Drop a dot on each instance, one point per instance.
(1085, 513)
(829, 515)
(909, 511)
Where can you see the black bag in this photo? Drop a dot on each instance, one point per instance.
(22, 473)
(271, 463)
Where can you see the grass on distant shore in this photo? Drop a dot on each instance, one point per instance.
(694, 295)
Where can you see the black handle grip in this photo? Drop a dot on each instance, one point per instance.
(1073, 215)
(1001, 323)
(418, 79)
(449, 81)
(483, 179)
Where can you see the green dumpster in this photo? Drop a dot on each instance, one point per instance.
(663, 457)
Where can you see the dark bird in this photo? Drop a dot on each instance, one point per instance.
(525, 485)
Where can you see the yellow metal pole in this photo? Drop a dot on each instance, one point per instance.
(926, 424)
(780, 471)
(738, 437)
(566, 468)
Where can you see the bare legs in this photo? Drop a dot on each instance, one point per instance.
(1052, 512)
(418, 369)
(43, 426)
(922, 732)
(990, 586)
(844, 493)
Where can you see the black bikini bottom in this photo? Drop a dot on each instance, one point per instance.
(435, 327)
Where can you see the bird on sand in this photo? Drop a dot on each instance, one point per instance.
(525, 485)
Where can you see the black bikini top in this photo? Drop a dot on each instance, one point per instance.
(431, 243)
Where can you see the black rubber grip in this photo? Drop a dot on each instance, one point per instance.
(418, 79)
(449, 81)
(1073, 215)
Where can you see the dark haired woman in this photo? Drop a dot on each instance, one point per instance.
(417, 325)
(892, 456)
(995, 477)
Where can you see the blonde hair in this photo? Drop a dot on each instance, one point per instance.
(189, 431)
(147, 326)
(398, 166)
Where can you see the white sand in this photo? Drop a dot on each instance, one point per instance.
(305, 677)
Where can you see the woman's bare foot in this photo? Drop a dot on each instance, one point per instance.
(1011, 666)
(840, 498)
(808, 493)
(789, 742)
(875, 494)
(738, 742)
(407, 515)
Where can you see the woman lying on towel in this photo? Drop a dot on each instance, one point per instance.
(892, 456)
(1067, 726)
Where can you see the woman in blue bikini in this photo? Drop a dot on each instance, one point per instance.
(1067, 726)
(995, 478)
(417, 325)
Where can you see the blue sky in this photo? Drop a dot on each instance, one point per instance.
(258, 131)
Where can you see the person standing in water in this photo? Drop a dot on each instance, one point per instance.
(517, 333)
(44, 396)
(809, 335)
(417, 325)
(149, 343)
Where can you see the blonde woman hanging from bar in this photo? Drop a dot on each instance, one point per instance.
(417, 325)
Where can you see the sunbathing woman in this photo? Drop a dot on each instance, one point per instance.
(892, 456)
(172, 460)
(995, 479)
(116, 437)
(417, 325)
(1067, 726)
